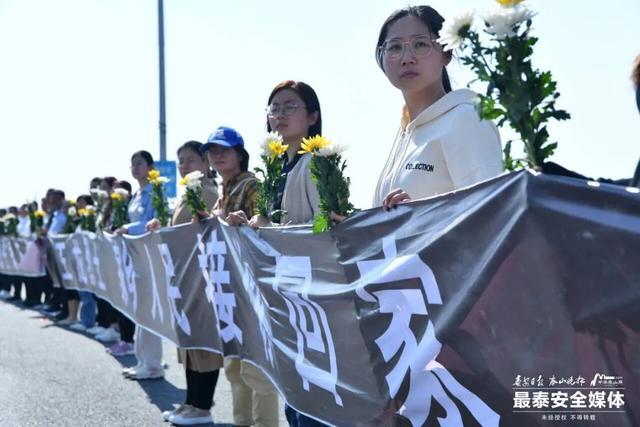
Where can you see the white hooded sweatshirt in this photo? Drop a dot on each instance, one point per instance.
(445, 148)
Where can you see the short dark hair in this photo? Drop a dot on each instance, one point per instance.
(308, 96)
(87, 199)
(148, 158)
(58, 193)
(110, 180)
(244, 157)
(123, 184)
(191, 145)
(195, 146)
(95, 182)
(429, 16)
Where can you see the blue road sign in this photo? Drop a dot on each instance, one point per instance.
(167, 168)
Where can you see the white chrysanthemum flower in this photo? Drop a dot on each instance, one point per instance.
(503, 22)
(332, 149)
(454, 29)
(269, 138)
(162, 179)
(194, 179)
(72, 211)
(8, 217)
(122, 192)
(99, 194)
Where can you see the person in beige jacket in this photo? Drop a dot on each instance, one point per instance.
(201, 367)
(293, 111)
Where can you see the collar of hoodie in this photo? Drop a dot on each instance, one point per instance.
(441, 106)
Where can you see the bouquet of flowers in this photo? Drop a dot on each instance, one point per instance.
(33, 218)
(327, 172)
(272, 156)
(88, 218)
(119, 206)
(158, 200)
(516, 93)
(72, 218)
(193, 192)
(100, 197)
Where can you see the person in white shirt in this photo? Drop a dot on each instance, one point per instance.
(24, 222)
(442, 145)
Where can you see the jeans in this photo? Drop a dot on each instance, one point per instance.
(87, 309)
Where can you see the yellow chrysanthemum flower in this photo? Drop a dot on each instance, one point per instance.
(82, 212)
(277, 148)
(40, 213)
(509, 3)
(116, 196)
(313, 144)
(153, 174)
(183, 181)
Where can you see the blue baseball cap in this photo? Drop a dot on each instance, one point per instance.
(225, 137)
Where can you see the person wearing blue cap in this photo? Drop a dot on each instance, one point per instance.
(226, 154)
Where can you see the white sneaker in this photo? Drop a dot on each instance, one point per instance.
(4, 294)
(167, 414)
(191, 416)
(108, 335)
(96, 330)
(131, 369)
(146, 373)
(78, 326)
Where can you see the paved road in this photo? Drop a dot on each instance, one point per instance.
(51, 376)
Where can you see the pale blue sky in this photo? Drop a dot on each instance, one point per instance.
(79, 91)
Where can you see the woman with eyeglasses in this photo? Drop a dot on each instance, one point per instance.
(293, 111)
(441, 145)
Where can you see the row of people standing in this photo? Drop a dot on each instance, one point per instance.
(439, 128)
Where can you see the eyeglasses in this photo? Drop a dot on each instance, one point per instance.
(419, 46)
(286, 110)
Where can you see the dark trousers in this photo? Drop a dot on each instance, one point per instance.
(33, 289)
(4, 284)
(49, 290)
(200, 388)
(127, 328)
(16, 283)
(58, 301)
(106, 313)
